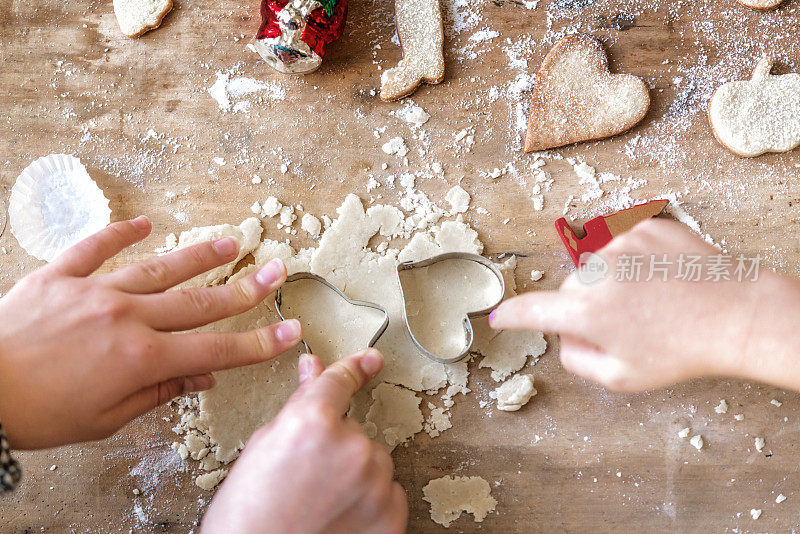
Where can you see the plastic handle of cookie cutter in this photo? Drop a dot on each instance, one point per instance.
(469, 334)
(360, 303)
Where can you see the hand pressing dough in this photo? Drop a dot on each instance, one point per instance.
(439, 297)
(246, 398)
(394, 416)
(247, 234)
(576, 98)
(513, 394)
(759, 115)
(419, 25)
(137, 17)
(449, 496)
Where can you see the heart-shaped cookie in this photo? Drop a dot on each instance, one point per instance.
(345, 327)
(576, 98)
(751, 117)
(440, 296)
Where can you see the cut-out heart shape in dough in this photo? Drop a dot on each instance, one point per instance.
(440, 296)
(751, 117)
(576, 98)
(347, 326)
(761, 5)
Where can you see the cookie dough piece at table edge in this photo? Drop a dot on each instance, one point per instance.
(576, 98)
(759, 115)
(761, 5)
(137, 17)
(421, 32)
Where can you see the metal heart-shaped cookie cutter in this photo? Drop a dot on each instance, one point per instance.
(468, 332)
(358, 303)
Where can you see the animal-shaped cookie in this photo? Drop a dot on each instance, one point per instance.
(576, 98)
(761, 5)
(751, 117)
(419, 26)
(136, 17)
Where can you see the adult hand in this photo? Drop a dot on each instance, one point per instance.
(312, 469)
(639, 335)
(81, 356)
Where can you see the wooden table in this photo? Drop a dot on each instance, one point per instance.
(577, 458)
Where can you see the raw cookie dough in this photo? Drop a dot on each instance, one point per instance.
(449, 496)
(439, 297)
(394, 416)
(513, 394)
(247, 234)
(751, 117)
(246, 398)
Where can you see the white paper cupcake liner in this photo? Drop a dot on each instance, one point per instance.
(54, 204)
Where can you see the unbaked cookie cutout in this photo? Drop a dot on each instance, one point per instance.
(752, 117)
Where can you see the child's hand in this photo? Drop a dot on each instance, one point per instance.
(631, 336)
(312, 469)
(81, 356)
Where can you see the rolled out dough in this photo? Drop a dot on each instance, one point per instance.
(439, 297)
(449, 496)
(249, 397)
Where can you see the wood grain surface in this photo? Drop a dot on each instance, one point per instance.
(576, 459)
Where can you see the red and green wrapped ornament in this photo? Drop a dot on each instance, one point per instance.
(294, 33)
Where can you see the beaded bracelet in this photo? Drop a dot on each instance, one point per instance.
(10, 472)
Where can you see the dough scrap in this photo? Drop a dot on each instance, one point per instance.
(513, 394)
(394, 416)
(761, 5)
(449, 496)
(247, 234)
(137, 17)
(751, 117)
(575, 97)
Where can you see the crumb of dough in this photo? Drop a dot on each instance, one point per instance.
(697, 442)
(739, 417)
(137, 491)
(209, 481)
(311, 224)
(776, 402)
(287, 216)
(683, 434)
(437, 422)
(536, 275)
(513, 394)
(458, 199)
(394, 416)
(780, 498)
(396, 146)
(413, 114)
(450, 496)
(755, 513)
(760, 442)
(271, 207)
(256, 208)
(170, 243)
(722, 407)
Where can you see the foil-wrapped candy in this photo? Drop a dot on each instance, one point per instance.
(294, 33)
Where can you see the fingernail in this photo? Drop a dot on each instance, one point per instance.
(227, 246)
(141, 222)
(372, 362)
(198, 383)
(304, 367)
(270, 273)
(492, 315)
(288, 331)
